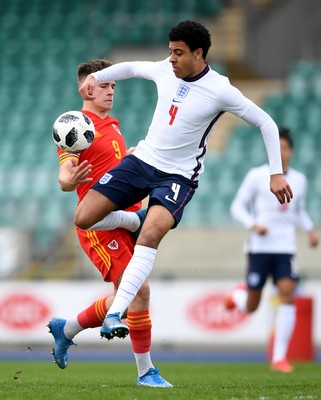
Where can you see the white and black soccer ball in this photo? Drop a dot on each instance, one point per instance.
(73, 131)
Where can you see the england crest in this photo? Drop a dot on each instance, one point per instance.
(105, 179)
(182, 91)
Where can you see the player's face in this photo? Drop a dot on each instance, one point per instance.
(185, 63)
(104, 96)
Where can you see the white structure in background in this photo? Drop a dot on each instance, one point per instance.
(194, 307)
(14, 251)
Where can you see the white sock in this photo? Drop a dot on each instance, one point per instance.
(240, 299)
(118, 219)
(143, 362)
(134, 276)
(284, 326)
(72, 328)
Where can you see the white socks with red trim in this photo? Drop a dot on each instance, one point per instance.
(240, 299)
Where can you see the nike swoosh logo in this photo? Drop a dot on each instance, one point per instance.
(177, 101)
(169, 199)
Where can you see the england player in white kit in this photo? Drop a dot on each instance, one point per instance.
(271, 245)
(167, 164)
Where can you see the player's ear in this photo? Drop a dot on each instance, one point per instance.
(198, 54)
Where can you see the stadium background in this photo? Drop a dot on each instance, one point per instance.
(270, 50)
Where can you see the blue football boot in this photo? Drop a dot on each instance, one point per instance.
(153, 379)
(141, 215)
(62, 344)
(112, 326)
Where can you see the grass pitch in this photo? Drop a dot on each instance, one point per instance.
(24, 380)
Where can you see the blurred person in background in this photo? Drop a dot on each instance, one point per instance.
(109, 251)
(167, 164)
(271, 246)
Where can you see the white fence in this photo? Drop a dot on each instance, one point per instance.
(183, 312)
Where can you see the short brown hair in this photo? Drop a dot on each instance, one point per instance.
(87, 68)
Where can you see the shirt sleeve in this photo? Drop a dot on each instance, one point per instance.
(129, 69)
(240, 207)
(63, 156)
(232, 100)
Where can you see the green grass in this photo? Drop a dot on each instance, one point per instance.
(20, 380)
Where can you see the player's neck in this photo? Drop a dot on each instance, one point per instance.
(94, 110)
(200, 66)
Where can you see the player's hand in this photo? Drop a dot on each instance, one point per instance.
(280, 188)
(313, 238)
(80, 173)
(71, 174)
(130, 150)
(86, 89)
(260, 230)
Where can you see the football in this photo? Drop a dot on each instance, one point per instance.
(73, 131)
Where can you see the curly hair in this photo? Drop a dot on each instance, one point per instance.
(194, 34)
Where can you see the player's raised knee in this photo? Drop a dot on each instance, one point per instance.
(81, 219)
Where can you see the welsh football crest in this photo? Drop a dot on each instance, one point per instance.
(182, 91)
(113, 245)
(116, 128)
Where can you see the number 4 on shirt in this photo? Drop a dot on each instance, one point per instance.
(172, 112)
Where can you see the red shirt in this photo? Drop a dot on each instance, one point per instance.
(106, 151)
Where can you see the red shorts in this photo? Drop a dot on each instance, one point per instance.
(109, 251)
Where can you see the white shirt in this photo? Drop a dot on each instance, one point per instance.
(255, 204)
(185, 114)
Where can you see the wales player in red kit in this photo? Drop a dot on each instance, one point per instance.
(110, 251)
(104, 248)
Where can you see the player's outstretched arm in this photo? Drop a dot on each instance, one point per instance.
(280, 188)
(86, 89)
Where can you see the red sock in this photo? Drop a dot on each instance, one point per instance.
(94, 315)
(140, 330)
